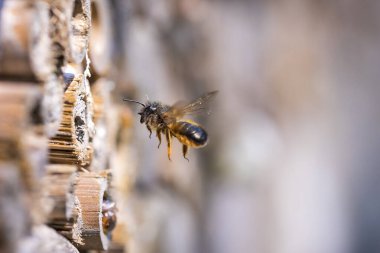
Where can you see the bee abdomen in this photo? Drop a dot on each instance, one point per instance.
(190, 134)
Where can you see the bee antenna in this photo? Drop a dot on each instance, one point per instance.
(134, 101)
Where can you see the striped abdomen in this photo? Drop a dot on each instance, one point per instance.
(189, 133)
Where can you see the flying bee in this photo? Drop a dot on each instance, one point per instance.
(168, 120)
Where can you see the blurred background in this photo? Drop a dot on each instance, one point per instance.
(292, 164)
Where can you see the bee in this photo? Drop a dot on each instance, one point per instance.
(109, 218)
(168, 120)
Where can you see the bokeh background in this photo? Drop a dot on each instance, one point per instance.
(292, 165)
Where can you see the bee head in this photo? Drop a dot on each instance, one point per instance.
(148, 110)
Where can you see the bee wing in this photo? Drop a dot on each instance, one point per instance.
(199, 104)
(180, 109)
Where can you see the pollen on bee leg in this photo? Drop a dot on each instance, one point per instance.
(169, 141)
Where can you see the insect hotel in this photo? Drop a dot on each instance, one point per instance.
(62, 137)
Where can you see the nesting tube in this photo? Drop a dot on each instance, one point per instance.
(27, 52)
(21, 140)
(90, 189)
(58, 186)
(71, 22)
(26, 49)
(71, 144)
(64, 214)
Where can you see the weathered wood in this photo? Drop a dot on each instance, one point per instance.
(70, 228)
(14, 43)
(58, 191)
(64, 215)
(27, 53)
(71, 22)
(25, 44)
(90, 189)
(22, 139)
(53, 119)
(71, 144)
(20, 135)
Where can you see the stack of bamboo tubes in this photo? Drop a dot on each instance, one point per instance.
(58, 126)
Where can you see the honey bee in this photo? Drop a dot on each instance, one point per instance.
(168, 120)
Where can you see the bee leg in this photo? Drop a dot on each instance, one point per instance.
(169, 141)
(184, 151)
(158, 133)
(150, 131)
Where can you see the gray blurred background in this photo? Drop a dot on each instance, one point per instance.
(292, 164)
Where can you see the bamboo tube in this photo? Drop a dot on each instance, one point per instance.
(65, 215)
(71, 144)
(20, 138)
(101, 38)
(58, 188)
(94, 214)
(26, 53)
(25, 44)
(71, 20)
(71, 228)
(22, 141)
(90, 189)
(44, 111)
